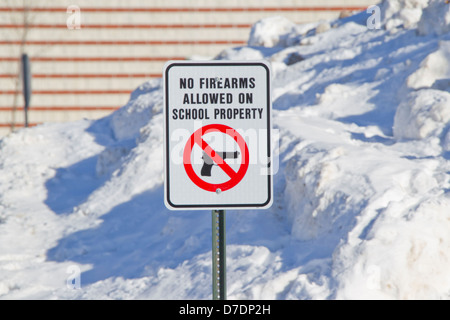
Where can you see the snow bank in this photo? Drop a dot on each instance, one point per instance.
(428, 16)
(144, 102)
(279, 31)
(423, 114)
(434, 70)
(405, 256)
(405, 13)
(270, 32)
(435, 18)
(424, 111)
(318, 203)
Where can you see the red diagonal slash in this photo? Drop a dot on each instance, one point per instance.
(215, 157)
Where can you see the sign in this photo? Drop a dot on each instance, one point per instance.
(211, 157)
(217, 135)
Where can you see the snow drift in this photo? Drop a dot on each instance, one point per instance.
(362, 195)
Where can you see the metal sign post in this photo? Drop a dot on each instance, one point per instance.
(219, 259)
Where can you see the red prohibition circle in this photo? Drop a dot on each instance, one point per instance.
(235, 177)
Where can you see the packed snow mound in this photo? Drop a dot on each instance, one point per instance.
(434, 70)
(361, 190)
(271, 32)
(402, 13)
(127, 121)
(428, 16)
(279, 31)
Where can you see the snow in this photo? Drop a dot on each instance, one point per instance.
(271, 32)
(361, 195)
(423, 114)
(435, 19)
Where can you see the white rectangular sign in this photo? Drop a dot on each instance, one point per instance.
(217, 135)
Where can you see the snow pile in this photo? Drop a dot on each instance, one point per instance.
(434, 70)
(361, 197)
(274, 31)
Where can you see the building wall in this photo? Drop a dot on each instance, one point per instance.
(90, 71)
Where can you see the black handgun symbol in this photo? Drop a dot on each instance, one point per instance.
(208, 162)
